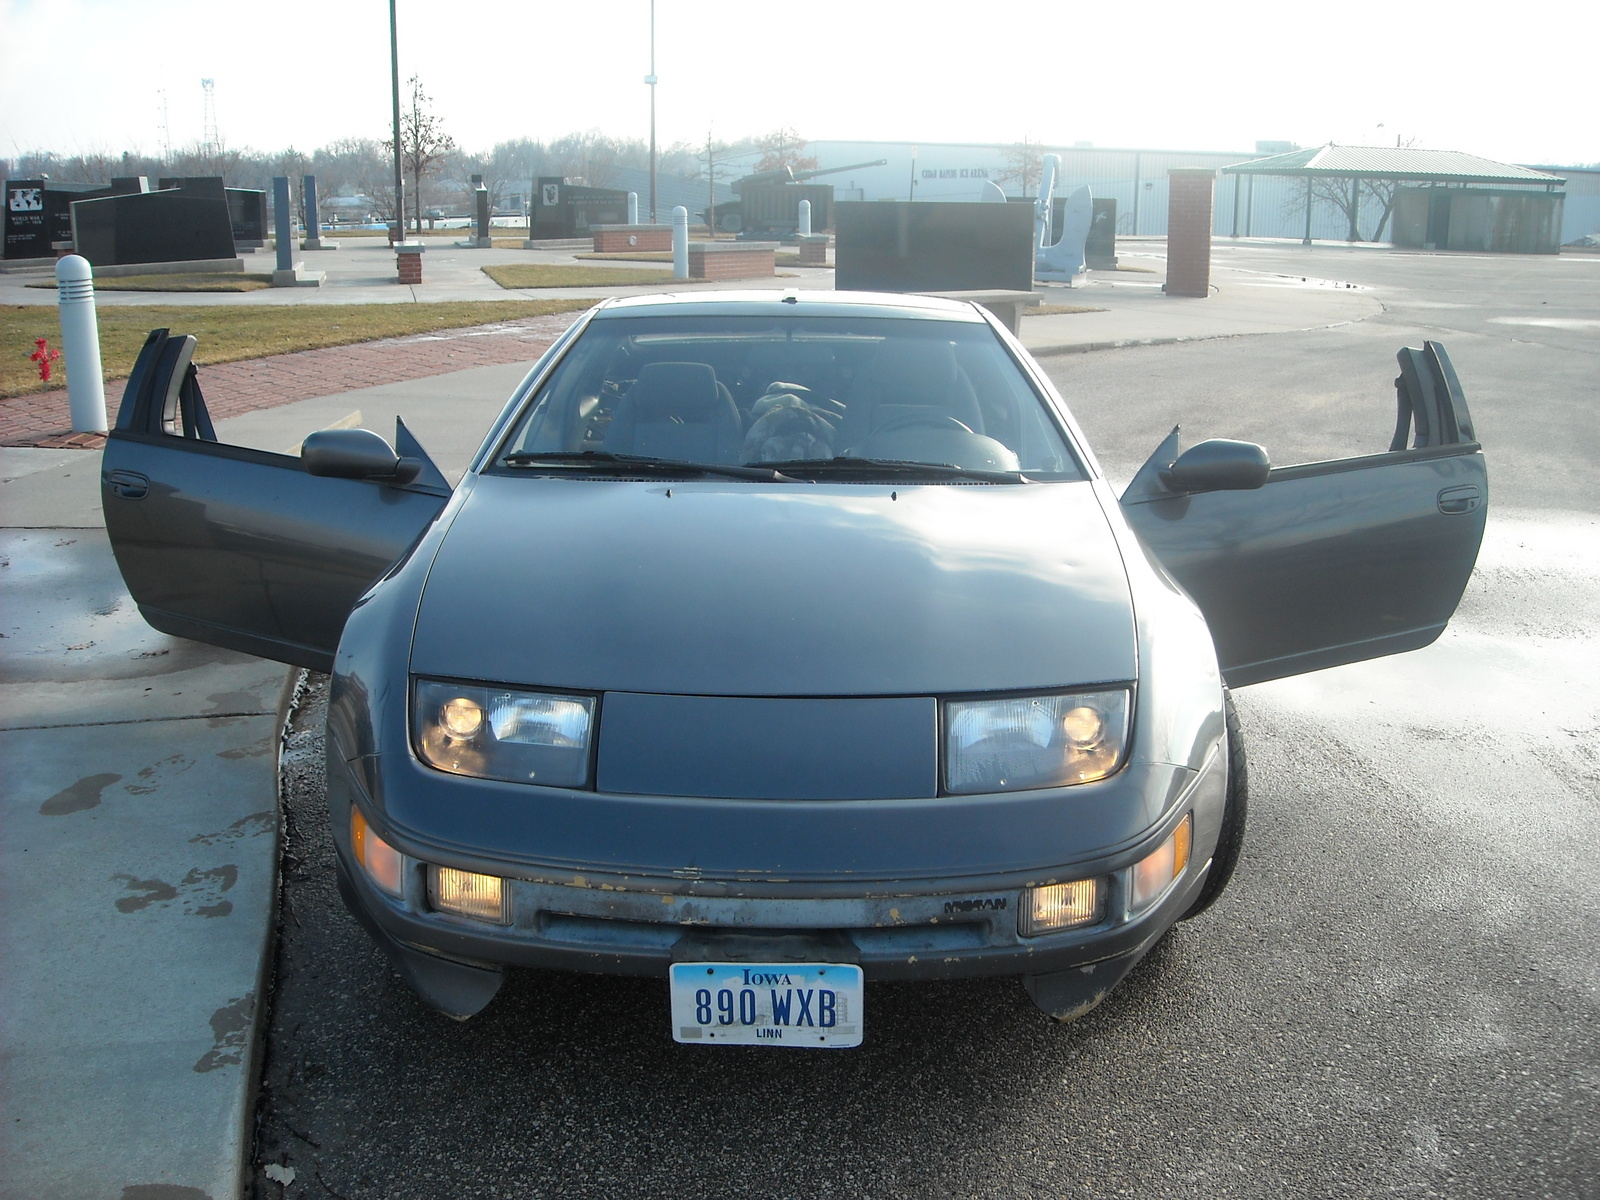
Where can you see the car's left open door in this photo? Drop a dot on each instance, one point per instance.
(238, 547)
(1330, 562)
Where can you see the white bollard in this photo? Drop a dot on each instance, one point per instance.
(633, 208)
(680, 242)
(805, 218)
(80, 344)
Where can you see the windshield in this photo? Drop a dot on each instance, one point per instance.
(797, 397)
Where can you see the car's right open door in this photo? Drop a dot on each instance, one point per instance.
(1330, 562)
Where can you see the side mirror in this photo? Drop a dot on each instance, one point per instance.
(1218, 465)
(356, 454)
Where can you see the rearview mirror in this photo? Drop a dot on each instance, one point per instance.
(1218, 465)
(356, 454)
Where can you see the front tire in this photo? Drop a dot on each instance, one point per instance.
(1231, 840)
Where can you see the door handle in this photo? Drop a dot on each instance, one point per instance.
(1456, 500)
(130, 485)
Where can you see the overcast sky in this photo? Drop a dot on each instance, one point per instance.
(1516, 84)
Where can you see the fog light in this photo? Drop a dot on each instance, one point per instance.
(1062, 906)
(1154, 873)
(384, 865)
(481, 897)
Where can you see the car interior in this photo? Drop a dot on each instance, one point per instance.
(730, 396)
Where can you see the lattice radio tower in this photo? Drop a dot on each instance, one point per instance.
(166, 128)
(212, 141)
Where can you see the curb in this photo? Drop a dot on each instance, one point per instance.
(1128, 343)
(289, 695)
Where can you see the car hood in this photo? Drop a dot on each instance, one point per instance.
(725, 588)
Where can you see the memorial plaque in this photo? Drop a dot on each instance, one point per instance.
(902, 246)
(27, 227)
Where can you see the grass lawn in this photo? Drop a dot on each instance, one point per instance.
(780, 258)
(629, 256)
(543, 275)
(235, 281)
(228, 333)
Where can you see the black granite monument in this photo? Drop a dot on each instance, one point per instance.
(147, 227)
(247, 211)
(564, 210)
(902, 246)
(1100, 248)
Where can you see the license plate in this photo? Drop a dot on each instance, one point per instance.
(766, 1004)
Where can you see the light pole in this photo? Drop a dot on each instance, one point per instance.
(399, 174)
(651, 80)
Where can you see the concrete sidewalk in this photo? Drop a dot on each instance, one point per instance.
(137, 882)
(138, 811)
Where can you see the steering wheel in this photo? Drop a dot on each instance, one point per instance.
(917, 420)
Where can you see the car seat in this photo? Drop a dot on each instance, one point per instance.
(677, 410)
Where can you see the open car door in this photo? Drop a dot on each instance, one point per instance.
(243, 548)
(1330, 562)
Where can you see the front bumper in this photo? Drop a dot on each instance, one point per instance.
(894, 931)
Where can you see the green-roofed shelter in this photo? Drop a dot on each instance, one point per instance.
(1438, 198)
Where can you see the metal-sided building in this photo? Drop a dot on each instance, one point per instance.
(1246, 204)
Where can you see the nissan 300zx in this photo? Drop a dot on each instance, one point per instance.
(775, 644)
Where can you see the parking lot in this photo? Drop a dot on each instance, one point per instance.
(1397, 996)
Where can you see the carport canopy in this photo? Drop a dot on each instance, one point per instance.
(1394, 164)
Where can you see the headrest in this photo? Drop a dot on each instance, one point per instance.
(674, 389)
(914, 365)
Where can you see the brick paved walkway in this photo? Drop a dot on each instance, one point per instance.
(232, 389)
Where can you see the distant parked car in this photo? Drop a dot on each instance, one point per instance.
(772, 644)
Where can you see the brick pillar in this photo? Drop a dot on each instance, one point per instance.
(1189, 231)
(410, 263)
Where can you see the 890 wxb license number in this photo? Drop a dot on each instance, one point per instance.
(767, 1004)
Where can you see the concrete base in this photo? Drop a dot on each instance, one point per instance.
(298, 276)
(318, 244)
(1005, 305)
(27, 264)
(476, 243)
(557, 243)
(198, 266)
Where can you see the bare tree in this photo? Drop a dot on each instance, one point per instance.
(594, 157)
(1350, 196)
(424, 145)
(781, 148)
(1024, 166)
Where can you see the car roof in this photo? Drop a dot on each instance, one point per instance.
(793, 302)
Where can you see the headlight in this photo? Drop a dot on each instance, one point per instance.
(497, 733)
(1034, 741)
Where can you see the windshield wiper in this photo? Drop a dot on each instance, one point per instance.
(846, 465)
(642, 463)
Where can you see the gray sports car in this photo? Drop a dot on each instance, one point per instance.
(776, 643)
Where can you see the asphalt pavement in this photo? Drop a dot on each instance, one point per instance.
(1456, 1056)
